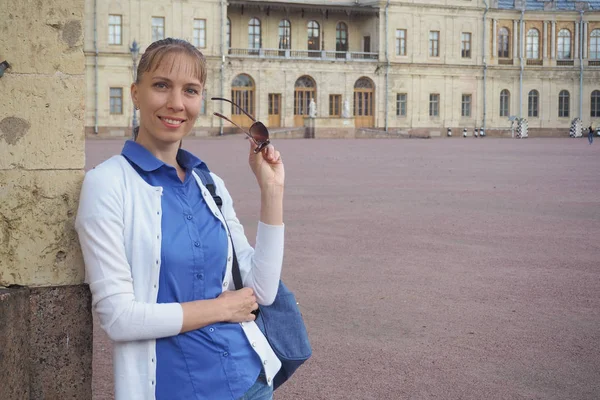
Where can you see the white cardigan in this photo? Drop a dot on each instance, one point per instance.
(119, 227)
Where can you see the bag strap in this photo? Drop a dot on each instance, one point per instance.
(208, 181)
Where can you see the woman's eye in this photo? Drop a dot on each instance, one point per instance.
(160, 85)
(192, 91)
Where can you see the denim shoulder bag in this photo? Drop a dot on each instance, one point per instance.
(281, 322)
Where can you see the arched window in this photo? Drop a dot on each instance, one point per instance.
(341, 37)
(364, 91)
(504, 103)
(314, 41)
(254, 35)
(305, 89)
(595, 104)
(228, 33)
(242, 93)
(533, 44)
(563, 104)
(285, 34)
(533, 101)
(595, 44)
(503, 42)
(564, 45)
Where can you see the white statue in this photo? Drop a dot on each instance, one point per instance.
(312, 109)
(346, 109)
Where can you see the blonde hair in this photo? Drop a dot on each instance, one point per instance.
(156, 53)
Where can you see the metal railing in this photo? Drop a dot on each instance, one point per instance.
(505, 61)
(535, 62)
(565, 63)
(594, 63)
(305, 54)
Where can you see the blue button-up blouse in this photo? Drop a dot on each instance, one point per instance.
(214, 362)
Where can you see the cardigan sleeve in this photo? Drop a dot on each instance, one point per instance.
(260, 267)
(100, 228)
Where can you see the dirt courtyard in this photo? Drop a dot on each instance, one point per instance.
(453, 268)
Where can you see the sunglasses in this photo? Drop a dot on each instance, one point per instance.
(257, 132)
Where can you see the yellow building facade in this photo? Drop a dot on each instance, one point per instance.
(396, 66)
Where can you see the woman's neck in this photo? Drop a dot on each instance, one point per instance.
(165, 152)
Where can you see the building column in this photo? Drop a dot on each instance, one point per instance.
(585, 40)
(515, 36)
(523, 39)
(494, 38)
(545, 43)
(576, 47)
(45, 309)
(553, 41)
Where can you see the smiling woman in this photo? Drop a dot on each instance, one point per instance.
(159, 252)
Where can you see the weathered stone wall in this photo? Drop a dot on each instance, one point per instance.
(45, 318)
(41, 141)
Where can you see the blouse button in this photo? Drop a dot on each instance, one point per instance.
(229, 258)
(188, 216)
(265, 362)
(211, 329)
(197, 244)
(216, 214)
(225, 284)
(269, 381)
(253, 344)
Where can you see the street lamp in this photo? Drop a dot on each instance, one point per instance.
(135, 53)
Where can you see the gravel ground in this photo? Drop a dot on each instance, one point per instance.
(430, 269)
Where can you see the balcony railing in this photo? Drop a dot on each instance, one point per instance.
(564, 63)
(305, 54)
(535, 62)
(505, 61)
(594, 63)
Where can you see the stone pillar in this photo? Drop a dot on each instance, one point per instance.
(545, 43)
(515, 36)
(494, 39)
(576, 48)
(553, 41)
(46, 324)
(585, 40)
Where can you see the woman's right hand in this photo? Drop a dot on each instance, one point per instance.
(239, 304)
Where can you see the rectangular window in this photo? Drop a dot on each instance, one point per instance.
(434, 43)
(401, 104)
(563, 105)
(400, 42)
(595, 45)
(434, 105)
(114, 29)
(466, 105)
(203, 103)
(200, 33)
(335, 105)
(595, 104)
(116, 100)
(504, 103)
(274, 103)
(465, 49)
(158, 28)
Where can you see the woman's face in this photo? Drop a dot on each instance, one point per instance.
(169, 99)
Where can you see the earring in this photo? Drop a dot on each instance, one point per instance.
(137, 107)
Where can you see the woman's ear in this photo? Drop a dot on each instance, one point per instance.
(134, 95)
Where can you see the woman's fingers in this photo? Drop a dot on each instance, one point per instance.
(271, 155)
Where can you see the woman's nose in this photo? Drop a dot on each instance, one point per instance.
(175, 101)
